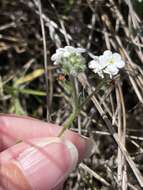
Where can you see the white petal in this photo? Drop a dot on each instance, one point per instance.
(70, 49)
(103, 60)
(111, 69)
(59, 50)
(57, 56)
(54, 57)
(116, 56)
(100, 73)
(107, 53)
(81, 50)
(92, 55)
(93, 64)
(120, 64)
(55, 63)
(96, 71)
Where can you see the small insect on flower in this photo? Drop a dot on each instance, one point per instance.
(109, 63)
(61, 77)
(70, 59)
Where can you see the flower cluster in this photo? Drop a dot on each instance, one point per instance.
(108, 63)
(73, 62)
(71, 59)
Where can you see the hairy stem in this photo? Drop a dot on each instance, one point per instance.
(68, 122)
(76, 107)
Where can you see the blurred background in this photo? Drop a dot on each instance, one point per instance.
(31, 85)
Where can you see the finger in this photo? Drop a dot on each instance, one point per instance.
(60, 187)
(43, 166)
(13, 128)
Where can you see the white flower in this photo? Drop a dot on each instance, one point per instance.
(70, 59)
(65, 52)
(108, 63)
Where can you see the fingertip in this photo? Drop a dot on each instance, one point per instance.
(45, 165)
(12, 178)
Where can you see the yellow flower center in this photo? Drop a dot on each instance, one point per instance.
(111, 61)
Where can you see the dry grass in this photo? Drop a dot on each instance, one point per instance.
(113, 117)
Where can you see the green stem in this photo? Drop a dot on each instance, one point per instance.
(76, 107)
(74, 92)
(75, 110)
(68, 122)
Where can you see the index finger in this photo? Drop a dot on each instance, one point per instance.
(14, 128)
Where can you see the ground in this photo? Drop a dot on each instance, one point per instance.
(32, 85)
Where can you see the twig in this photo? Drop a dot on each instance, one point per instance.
(94, 174)
(122, 173)
(45, 54)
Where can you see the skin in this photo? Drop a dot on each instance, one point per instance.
(32, 157)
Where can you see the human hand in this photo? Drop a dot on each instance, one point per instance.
(40, 160)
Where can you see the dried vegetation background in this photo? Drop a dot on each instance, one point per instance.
(30, 85)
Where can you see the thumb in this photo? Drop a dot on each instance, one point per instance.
(43, 165)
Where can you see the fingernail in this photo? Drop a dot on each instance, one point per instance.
(90, 145)
(48, 163)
